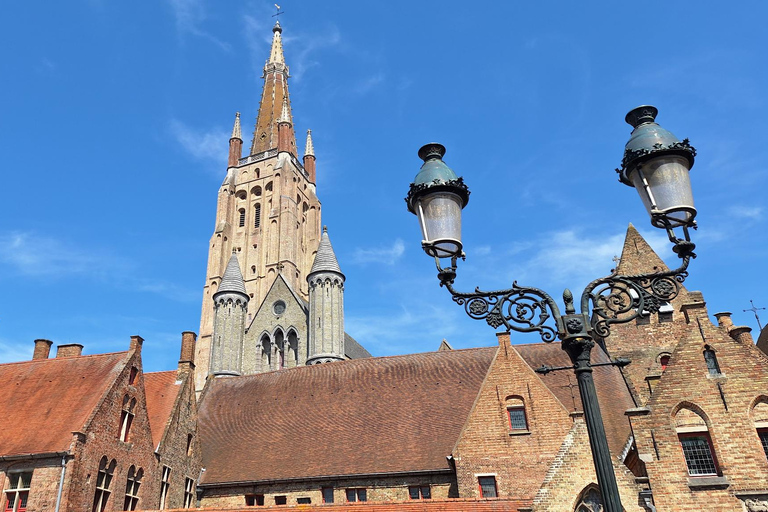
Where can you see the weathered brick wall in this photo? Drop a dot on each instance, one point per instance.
(449, 505)
(44, 487)
(173, 447)
(101, 439)
(380, 489)
(573, 471)
(725, 401)
(519, 460)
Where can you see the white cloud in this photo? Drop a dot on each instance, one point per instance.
(387, 255)
(38, 255)
(367, 85)
(190, 15)
(208, 144)
(11, 352)
(746, 212)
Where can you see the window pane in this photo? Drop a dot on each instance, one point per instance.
(426, 493)
(351, 495)
(487, 486)
(711, 359)
(517, 419)
(362, 495)
(698, 455)
(327, 494)
(763, 433)
(413, 493)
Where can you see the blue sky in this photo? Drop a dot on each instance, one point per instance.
(115, 119)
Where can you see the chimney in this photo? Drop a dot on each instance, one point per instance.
(503, 338)
(187, 356)
(69, 350)
(136, 343)
(742, 334)
(42, 349)
(724, 320)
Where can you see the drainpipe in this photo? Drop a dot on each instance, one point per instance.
(61, 481)
(647, 497)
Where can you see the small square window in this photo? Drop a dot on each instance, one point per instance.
(487, 486)
(419, 492)
(665, 317)
(281, 500)
(327, 494)
(517, 419)
(698, 452)
(304, 501)
(356, 495)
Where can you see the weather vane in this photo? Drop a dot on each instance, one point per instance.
(755, 310)
(279, 12)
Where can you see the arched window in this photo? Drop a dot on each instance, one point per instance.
(241, 223)
(709, 356)
(280, 344)
(293, 348)
(693, 433)
(518, 421)
(257, 215)
(103, 482)
(266, 354)
(241, 194)
(256, 191)
(126, 417)
(132, 488)
(760, 418)
(664, 361)
(589, 501)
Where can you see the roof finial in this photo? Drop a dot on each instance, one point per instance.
(325, 229)
(309, 150)
(285, 116)
(236, 129)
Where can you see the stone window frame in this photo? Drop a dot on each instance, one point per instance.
(104, 478)
(132, 485)
(189, 492)
(165, 483)
(417, 492)
(354, 494)
(484, 481)
(17, 494)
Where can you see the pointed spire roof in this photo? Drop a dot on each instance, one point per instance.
(236, 134)
(309, 150)
(285, 114)
(637, 257)
(274, 98)
(232, 281)
(325, 259)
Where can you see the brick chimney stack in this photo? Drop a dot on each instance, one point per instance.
(724, 320)
(69, 350)
(136, 343)
(187, 356)
(42, 349)
(742, 334)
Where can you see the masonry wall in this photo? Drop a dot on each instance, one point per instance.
(487, 446)
(100, 438)
(44, 487)
(726, 402)
(378, 489)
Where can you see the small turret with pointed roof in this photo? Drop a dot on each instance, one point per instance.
(230, 309)
(235, 143)
(285, 130)
(309, 157)
(326, 305)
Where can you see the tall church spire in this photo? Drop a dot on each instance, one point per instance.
(235, 143)
(273, 98)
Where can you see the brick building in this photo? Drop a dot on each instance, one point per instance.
(286, 409)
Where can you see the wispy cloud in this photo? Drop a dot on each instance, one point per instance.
(10, 352)
(386, 255)
(368, 84)
(210, 144)
(746, 212)
(190, 15)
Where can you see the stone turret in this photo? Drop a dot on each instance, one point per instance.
(326, 305)
(230, 304)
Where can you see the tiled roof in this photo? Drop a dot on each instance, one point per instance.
(362, 416)
(353, 349)
(612, 392)
(43, 401)
(161, 389)
(232, 280)
(447, 505)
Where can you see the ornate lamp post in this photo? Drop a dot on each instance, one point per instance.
(657, 165)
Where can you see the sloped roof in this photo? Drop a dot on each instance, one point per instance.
(232, 280)
(353, 349)
(325, 259)
(612, 392)
(161, 389)
(361, 416)
(45, 400)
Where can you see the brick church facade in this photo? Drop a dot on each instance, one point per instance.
(275, 406)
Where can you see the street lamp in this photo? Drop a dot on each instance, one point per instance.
(657, 165)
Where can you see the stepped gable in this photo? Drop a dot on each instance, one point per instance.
(612, 392)
(161, 389)
(49, 399)
(362, 416)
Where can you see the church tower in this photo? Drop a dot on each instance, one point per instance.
(267, 212)
(326, 306)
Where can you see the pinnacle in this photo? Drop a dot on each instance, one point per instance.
(236, 134)
(285, 115)
(232, 281)
(276, 54)
(309, 150)
(637, 257)
(325, 259)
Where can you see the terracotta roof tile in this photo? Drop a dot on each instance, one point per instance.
(612, 392)
(361, 416)
(161, 389)
(45, 400)
(446, 505)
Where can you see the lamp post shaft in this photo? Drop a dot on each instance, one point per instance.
(580, 350)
